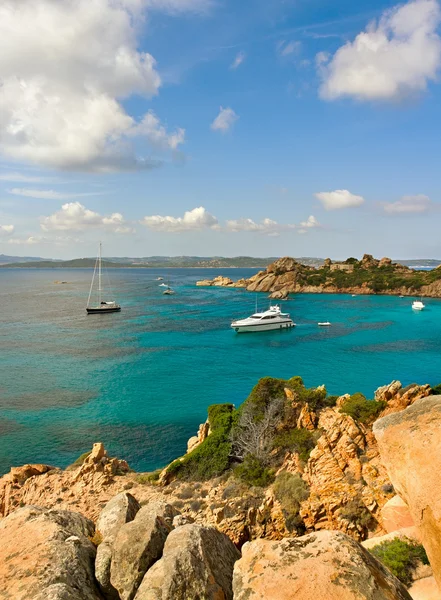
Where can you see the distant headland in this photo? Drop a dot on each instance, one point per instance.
(195, 262)
(366, 276)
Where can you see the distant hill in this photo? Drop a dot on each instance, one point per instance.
(207, 262)
(5, 259)
(77, 263)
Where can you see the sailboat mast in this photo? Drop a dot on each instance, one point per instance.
(99, 275)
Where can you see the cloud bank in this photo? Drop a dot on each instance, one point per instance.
(65, 67)
(339, 199)
(397, 57)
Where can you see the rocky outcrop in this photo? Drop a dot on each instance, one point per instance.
(197, 563)
(98, 474)
(203, 433)
(326, 564)
(367, 276)
(218, 281)
(410, 447)
(118, 511)
(47, 555)
(399, 398)
(335, 473)
(138, 545)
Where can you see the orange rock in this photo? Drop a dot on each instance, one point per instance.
(395, 515)
(410, 447)
(325, 565)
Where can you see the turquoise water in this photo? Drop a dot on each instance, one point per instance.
(141, 380)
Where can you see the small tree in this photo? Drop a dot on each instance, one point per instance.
(254, 433)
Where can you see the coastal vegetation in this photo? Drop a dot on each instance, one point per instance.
(251, 441)
(401, 556)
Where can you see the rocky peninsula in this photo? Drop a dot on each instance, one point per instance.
(286, 276)
(295, 495)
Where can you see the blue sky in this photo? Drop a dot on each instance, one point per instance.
(220, 128)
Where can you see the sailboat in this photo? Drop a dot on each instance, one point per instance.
(168, 291)
(103, 306)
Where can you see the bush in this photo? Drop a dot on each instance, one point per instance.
(212, 457)
(80, 460)
(290, 490)
(401, 556)
(356, 512)
(144, 478)
(253, 472)
(296, 440)
(264, 393)
(436, 389)
(361, 409)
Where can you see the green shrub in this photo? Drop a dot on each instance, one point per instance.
(301, 440)
(290, 490)
(144, 478)
(356, 512)
(263, 393)
(253, 472)
(361, 409)
(401, 556)
(436, 389)
(80, 460)
(212, 457)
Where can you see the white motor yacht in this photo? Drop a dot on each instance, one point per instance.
(418, 305)
(272, 318)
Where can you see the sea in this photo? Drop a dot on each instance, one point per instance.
(141, 380)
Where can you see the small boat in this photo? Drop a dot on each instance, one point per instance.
(103, 306)
(163, 285)
(168, 292)
(354, 295)
(268, 320)
(418, 305)
(160, 279)
(324, 324)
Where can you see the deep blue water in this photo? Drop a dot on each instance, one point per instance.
(141, 380)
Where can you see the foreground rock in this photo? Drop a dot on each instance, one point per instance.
(197, 563)
(326, 565)
(118, 511)
(138, 545)
(46, 555)
(410, 446)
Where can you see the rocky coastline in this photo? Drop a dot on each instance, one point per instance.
(367, 276)
(342, 477)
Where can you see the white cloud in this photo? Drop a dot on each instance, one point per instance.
(195, 219)
(287, 48)
(73, 216)
(157, 135)
(224, 120)
(270, 227)
(64, 68)
(22, 178)
(37, 239)
(177, 6)
(48, 194)
(240, 57)
(6, 230)
(339, 199)
(409, 205)
(391, 59)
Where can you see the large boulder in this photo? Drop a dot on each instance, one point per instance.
(119, 510)
(410, 447)
(395, 515)
(138, 545)
(197, 563)
(47, 555)
(326, 564)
